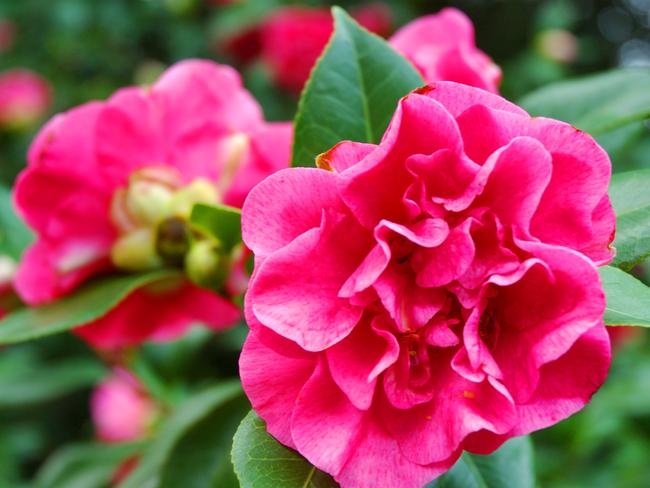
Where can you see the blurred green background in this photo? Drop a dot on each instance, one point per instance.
(86, 49)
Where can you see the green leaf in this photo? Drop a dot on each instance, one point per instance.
(262, 462)
(14, 234)
(509, 467)
(44, 382)
(352, 92)
(596, 103)
(631, 201)
(191, 448)
(628, 300)
(88, 304)
(219, 221)
(84, 465)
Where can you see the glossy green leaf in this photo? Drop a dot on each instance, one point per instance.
(219, 221)
(628, 300)
(84, 465)
(89, 303)
(14, 234)
(191, 448)
(631, 201)
(262, 462)
(511, 466)
(596, 103)
(352, 92)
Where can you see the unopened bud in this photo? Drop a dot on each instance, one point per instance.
(200, 190)
(173, 240)
(206, 266)
(135, 251)
(148, 202)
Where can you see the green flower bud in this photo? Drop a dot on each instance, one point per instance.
(200, 190)
(206, 266)
(148, 202)
(135, 251)
(173, 240)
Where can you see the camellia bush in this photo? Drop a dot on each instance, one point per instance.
(394, 290)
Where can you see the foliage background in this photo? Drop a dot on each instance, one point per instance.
(89, 48)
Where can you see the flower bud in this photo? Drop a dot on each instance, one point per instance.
(173, 240)
(200, 190)
(148, 202)
(205, 265)
(135, 251)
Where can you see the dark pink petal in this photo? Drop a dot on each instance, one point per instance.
(486, 129)
(445, 174)
(272, 382)
(581, 172)
(324, 423)
(409, 305)
(377, 456)
(426, 233)
(520, 172)
(295, 291)
(457, 98)
(492, 255)
(567, 384)
(541, 315)
(420, 126)
(441, 265)
(434, 431)
(285, 205)
(357, 360)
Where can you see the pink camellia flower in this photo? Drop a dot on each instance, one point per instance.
(109, 187)
(435, 293)
(442, 47)
(24, 98)
(121, 410)
(292, 39)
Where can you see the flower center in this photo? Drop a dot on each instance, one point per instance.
(150, 215)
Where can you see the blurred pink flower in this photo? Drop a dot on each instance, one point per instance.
(103, 179)
(293, 38)
(442, 47)
(25, 97)
(435, 293)
(121, 410)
